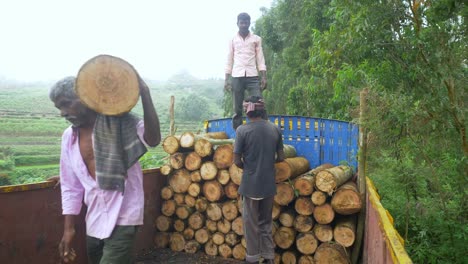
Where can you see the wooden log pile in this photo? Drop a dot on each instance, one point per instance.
(314, 212)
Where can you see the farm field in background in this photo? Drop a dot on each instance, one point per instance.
(31, 129)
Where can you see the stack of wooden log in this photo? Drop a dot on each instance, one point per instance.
(314, 211)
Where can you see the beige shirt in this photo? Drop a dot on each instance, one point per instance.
(245, 58)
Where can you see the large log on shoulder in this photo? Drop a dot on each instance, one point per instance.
(290, 168)
(330, 179)
(346, 200)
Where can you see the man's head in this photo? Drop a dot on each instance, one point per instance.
(243, 22)
(63, 95)
(254, 107)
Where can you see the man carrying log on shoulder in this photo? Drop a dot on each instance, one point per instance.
(112, 189)
(255, 147)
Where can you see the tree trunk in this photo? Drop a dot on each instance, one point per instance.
(211, 249)
(192, 246)
(224, 156)
(214, 212)
(236, 174)
(331, 253)
(303, 223)
(304, 184)
(161, 239)
(223, 176)
(289, 257)
(183, 212)
(218, 238)
(324, 214)
(177, 242)
(188, 233)
(201, 204)
(237, 226)
(196, 220)
(179, 225)
(324, 233)
(213, 190)
(346, 200)
(284, 237)
(230, 190)
(345, 231)
(193, 161)
(284, 193)
(290, 168)
(180, 181)
(168, 207)
(194, 189)
(166, 169)
(304, 206)
(167, 193)
(171, 144)
(306, 243)
(177, 160)
(286, 218)
(318, 198)
(225, 251)
(239, 252)
(229, 210)
(163, 223)
(330, 179)
(208, 170)
(202, 235)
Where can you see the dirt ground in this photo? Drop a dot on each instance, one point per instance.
(166, 256)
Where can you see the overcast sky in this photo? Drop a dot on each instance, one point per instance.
(49, 39)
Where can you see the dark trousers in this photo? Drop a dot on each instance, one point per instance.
(257, 221)
(241, 85)
(117, 249)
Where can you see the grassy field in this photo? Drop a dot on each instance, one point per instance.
(31, 128)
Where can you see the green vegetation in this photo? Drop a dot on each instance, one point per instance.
(411, 55)
(31, 129)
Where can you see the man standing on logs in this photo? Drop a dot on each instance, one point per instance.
(113, 210)
(255, 147)
(245, 60)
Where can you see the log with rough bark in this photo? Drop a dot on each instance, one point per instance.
(163, 223)
(201, 204)
(229, 209)
(306, 243)
(188, 233)
(223, 226)
(193, 161)
(202, 235)
(284, 237)
(177, 242)
(212, 190)
(224, 156)
(230, 190)
(225, 250)
(303, 223)
(194, 189)
(306, 259)
(167, 193)
(287, 217)
(345, 231)
(161, 239)
(214, 212)
(289, 257)
(180, 181)
(179, 225)
(331, 253)
(324, 233)
(192, 246)
(318, 198)
(208, 170)
(236, 174)
(177, 160)
(223, 176)
(346, 200)
(166, 169)
(168, 207)
(237, 226)
(218, 238)
(328, 180)
(211, 249)
(290, 168)
(189, 200)
(304, 206)
(239, 252)
(171, 144)
(183, 212)
(324, 214)
(284, 193)
(196, 220)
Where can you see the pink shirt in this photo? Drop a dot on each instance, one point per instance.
(245, 58)
(106, 209)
